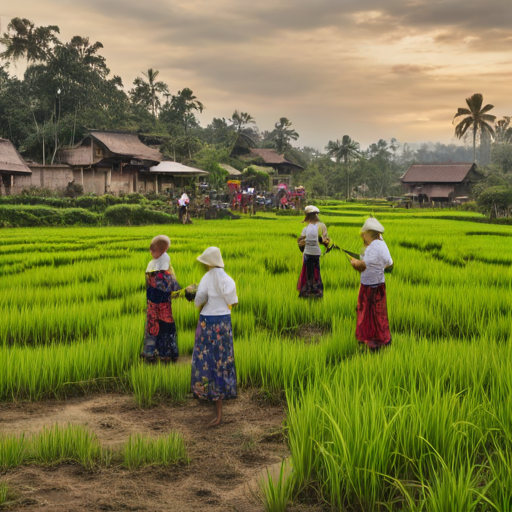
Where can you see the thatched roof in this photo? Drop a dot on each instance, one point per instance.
(231, 170)
(126, 144)
(175, 168)
(269, 156)
(440, 173)
(10, 160)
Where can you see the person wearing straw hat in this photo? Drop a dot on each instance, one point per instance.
(372, 316)
(310, 281)
(213, 361)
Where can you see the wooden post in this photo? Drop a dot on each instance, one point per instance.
(82, 175)
(156, 183)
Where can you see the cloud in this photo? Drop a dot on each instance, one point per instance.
(368, 68)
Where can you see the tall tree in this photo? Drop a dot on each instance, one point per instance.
(345, 150)
(146, 92)
(244, 133)
(282, 134)
(180, 109)
(503, 130)
(474, 117)
(24, 39)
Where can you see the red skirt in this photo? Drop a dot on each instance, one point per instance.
(372, 316)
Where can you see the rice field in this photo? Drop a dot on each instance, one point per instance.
(423, 426)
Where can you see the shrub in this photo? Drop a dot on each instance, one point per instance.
(72, 216)
(496, 201)
(134, 215)
(27, 216)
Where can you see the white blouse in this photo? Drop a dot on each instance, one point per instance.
(376, 257)
(310, 232)
(216, 291)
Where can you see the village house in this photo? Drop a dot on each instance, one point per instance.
(109, 162)
(283, 167)
(441, 182)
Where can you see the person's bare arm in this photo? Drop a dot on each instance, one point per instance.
(358, 264)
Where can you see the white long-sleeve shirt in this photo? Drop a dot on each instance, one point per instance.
(216, 291)
(310, 232)
(376, 257)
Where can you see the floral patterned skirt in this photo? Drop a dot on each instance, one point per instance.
(310, 281)
(160, 337)
(213, 360)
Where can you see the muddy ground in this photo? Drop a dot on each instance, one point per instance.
(226, 461)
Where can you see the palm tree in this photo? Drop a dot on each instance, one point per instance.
(282, 134)
(244, 134)
(474, 117)
(346, 150)
(28, 41)
(503, 130)
(146, 92)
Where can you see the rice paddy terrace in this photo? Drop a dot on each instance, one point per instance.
(424, 426)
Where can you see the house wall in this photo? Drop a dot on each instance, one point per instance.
(51, 177)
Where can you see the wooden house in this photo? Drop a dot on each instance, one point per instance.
(283, 167)
(14, 172)
(440, 182)
(109, 162)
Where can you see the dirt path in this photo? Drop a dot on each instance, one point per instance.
(225, 461)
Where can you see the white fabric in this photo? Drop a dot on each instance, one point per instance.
(216, 291)
(161, 263)
(310, 232)
(311, 209)
(376, 257)
(183, 200)
(372, 224)
(211, 257)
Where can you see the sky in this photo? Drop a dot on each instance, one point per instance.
(370, 69)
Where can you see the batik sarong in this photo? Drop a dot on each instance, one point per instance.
(213, 359)
(310, 281)
(160, 337)
(372, 316)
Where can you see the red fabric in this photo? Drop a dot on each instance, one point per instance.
(372, 316)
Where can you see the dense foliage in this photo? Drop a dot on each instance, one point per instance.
(68, 88)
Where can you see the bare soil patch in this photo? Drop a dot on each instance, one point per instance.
(308, 333)
(226, 461)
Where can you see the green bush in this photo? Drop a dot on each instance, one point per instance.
(71, 216)
(470, 206)
(496, 201)
(28, 216)
(136, 215)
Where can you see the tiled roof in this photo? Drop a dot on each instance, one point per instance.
(437, 173)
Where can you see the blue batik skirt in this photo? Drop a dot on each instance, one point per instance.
(213, 359)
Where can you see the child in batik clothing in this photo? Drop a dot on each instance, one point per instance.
(160, 337)
(372, 314)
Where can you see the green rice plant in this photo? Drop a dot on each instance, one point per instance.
(276, 490)
(168, 450)
(13, 451)
(73, 443)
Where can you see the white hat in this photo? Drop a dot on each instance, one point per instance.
(311, 209)
(372, 224)
(211, 257)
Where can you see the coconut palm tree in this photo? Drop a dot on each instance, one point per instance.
(503, 130)
(244, 134)
(346, 150)
(24, 39)
(282, 134)
(474, 117)
(147, 92)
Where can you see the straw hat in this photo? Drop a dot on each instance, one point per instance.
(211, 257)
(372, 224)
(311, 209)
